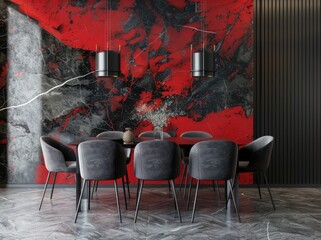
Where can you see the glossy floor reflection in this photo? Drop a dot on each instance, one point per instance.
(298, 215)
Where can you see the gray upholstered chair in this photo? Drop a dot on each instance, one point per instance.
(115, 135)
(196, 134)
(58, 157)
(185, 153)
(101, 160)
(255, 157)
(156, 160)
(213, 160)
(111, 135)
(154, 135)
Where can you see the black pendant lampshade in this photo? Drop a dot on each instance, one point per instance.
(108, 64)
(202, 64)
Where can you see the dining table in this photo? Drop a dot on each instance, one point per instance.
(183, 142)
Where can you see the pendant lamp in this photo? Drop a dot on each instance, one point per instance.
(108, 61)
(108, 64)
(202, 63)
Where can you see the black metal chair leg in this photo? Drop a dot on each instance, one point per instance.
(169, 186)
(213, 185)
(127, 181)
(44, 190)
(79, 201)
(232, 194)
(258, 183)
(138, 200)
(96, 185)
(93, 188)
(117, 201)
(227, 195)
(189, 192)
(172, 194)
(137, 191)
(268, 186)
(232, 181)
(195, 200)
(124, 190)
(175, 198)
(186, 176)
(53, 185)
(88, 199)
(184, 170)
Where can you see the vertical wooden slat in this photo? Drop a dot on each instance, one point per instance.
(309, 88)
(294, 130)
(299, 146)
(284, 99)
(314, 69)
(310, 56)
(257, 54)
(288, 87)
(276, 78)
(301, 67)
(281, 71)
(318, 108)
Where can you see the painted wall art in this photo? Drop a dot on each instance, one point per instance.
(48, 83)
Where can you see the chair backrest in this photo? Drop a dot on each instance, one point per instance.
(115, 135)
(101, 160)
(154, 134)
(258, 153)
(157, 160)
(196, 134)
(213, 160)
(111, 135)
(56, 154)
(193, 134)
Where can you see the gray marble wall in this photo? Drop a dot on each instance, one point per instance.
(23, 83)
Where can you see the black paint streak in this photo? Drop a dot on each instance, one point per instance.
(145, 13)
(161, 76)
(78, 3)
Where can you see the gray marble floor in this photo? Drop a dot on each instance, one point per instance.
(298, 215)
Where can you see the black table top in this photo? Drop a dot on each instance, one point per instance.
(181, 141)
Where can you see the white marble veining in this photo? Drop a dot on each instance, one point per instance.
(24, 39)
(298, 215)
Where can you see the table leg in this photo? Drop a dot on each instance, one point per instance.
(235, 190)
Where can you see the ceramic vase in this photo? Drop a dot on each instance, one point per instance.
(128, 137)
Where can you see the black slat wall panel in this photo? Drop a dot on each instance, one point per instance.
(287, 102)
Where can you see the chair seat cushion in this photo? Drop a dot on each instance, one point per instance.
(71, 166)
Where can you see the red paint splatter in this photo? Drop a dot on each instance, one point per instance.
(85, 28)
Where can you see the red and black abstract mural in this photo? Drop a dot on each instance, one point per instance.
(56, 71)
